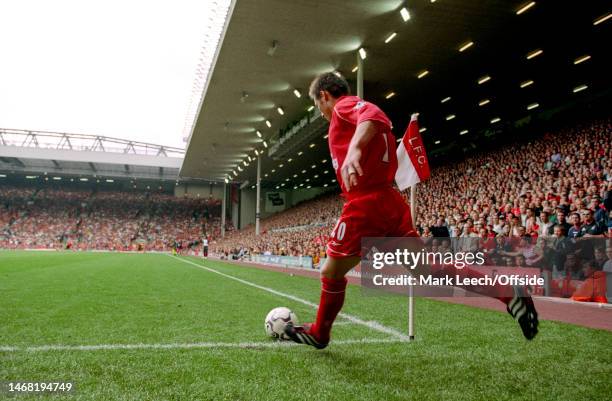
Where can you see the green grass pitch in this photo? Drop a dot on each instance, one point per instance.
(461, 353)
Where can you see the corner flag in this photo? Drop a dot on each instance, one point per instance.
(412, 164)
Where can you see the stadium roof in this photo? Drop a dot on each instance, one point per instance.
(65, 69)
(86, 156)
(470, 68)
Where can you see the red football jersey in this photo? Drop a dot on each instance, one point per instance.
(378, 159)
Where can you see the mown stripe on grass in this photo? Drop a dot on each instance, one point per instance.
(353, 319)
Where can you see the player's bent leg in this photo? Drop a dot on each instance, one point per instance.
(522, 309)
(519, 303)
(333, 290)
(336, 268)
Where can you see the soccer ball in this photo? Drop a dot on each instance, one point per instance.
(276, 321)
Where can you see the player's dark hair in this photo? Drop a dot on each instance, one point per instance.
(332, 82)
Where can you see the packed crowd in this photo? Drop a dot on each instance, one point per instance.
(299, 231)
(559, 185)
(53, 218)
(507, 191)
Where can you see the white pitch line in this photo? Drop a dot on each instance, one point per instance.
(370, 324)
(347, 323)
(203, 345)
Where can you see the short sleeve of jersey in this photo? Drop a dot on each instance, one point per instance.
(355, 111)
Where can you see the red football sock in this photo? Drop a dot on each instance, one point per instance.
(332, 299)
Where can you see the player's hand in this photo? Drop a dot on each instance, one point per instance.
(351, 168)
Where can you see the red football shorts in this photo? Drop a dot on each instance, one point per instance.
(379, 213)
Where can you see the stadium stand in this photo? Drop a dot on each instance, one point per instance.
(51, 218)
(521, 189)
(299, 231)
(567, 171)
(524, 189)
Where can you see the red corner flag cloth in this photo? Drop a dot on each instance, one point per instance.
(413, 166)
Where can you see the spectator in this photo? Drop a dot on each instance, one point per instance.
(590, 228)
(560, 220)
(600, 257)
(439, 229)
(546, 226)
(575, 230)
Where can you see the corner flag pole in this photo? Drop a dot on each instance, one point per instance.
(410, 288)
(258, 194)
(412, 169)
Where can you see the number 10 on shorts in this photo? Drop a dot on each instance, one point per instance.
(339, 231)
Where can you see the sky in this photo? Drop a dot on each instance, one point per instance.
(127, 69)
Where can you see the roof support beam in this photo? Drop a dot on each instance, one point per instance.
(84, 142)
(98, 145)
(13, 160)
(130, 147)
(30, 139)
(64, 142)
(97, 158)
